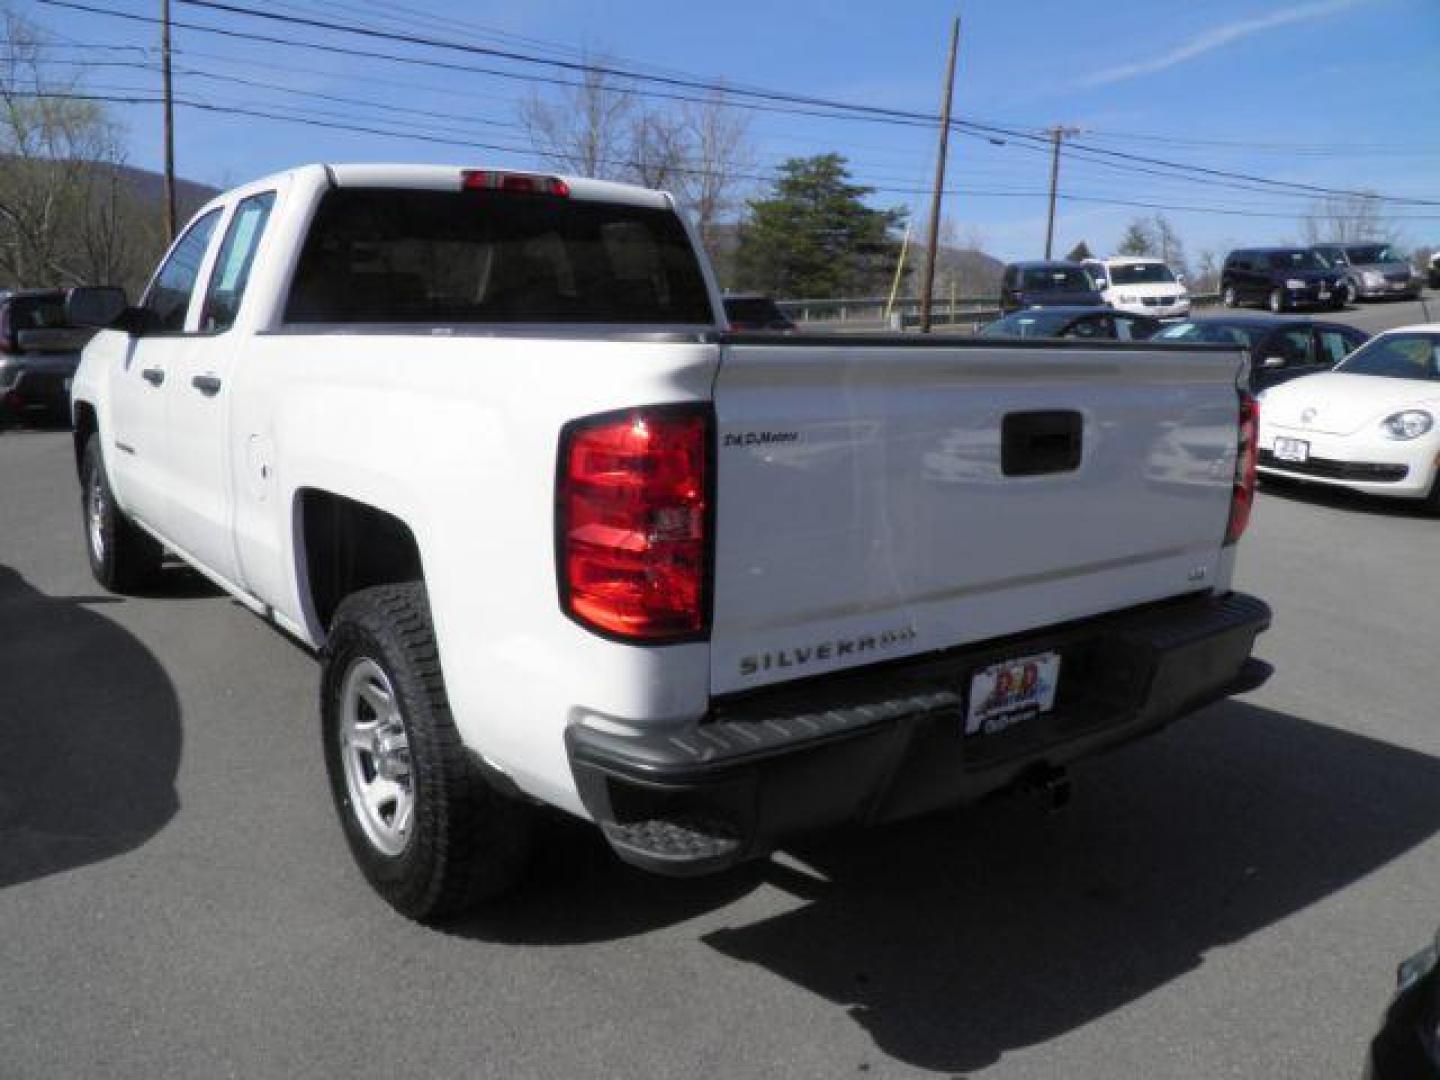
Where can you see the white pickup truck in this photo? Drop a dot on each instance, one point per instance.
(483, 441)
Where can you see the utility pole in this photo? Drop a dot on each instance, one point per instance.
(1057, 133)
(928, 285)
(169, 121)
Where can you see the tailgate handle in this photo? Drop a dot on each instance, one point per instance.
(1036, 443)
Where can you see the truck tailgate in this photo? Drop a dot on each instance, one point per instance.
(882, 499)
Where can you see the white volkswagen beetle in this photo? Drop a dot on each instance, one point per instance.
(1372, 424)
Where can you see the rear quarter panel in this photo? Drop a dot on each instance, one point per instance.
(457, 436)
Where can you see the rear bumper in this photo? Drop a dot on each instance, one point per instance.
(887, 743)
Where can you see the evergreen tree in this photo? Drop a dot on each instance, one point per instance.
(1080, 252)
(815, 237)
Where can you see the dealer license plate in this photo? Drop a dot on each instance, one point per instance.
(1291, 450)
(1324, 294)
(1002, 695)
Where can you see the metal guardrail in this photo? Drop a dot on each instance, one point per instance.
(868, 313)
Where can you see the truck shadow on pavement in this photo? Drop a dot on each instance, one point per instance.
(91, 730)
(958, 938)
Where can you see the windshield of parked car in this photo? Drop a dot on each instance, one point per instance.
(1141, 274)
(1209, 332)
(1396, 356)
(1295, 260)
(1037, 323)
(1361, 254)
(1056, 279)
(389, 255)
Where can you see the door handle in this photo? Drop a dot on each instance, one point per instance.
(153, 375)
(209, 385)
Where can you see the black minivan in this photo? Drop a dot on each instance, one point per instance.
(1280, 278)
(1047, 284)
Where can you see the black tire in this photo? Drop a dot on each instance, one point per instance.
(466, 841)
(1276, 302)
(1228, 297)
(123, 557)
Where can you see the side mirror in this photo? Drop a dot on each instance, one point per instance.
(94, 305)
(1273, 362)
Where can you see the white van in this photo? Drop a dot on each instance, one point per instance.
(1140, 285)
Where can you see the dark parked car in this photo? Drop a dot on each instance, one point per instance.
(1073, 322)
(753, 311)
(1280, 278)
(1280, 349)
(1371, 271)
(1408, 1044)
(39, 351)
(1047, 284)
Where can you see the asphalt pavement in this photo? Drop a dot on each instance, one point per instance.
(1228, 899)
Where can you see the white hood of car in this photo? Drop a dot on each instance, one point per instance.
(1334, 403)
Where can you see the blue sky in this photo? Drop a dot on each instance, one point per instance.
(1334, 93)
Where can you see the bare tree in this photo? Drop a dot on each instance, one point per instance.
(1171, 247)
(601, 127)
(1207, 272)
(588, 130)
(720, 155)
(1342, 219)
(1139, 238)
(63, 217)
(658, 152)
(962, 267)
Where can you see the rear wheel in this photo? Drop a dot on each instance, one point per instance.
(428, 830)
(1277, 300)
(123, 557)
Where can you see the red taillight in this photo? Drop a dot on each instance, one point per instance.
(633, 510)
(1247, 450)
(525, 183)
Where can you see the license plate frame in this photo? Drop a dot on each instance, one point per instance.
(1295, 451)
(1010, 692)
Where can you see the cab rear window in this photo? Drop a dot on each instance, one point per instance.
(435, 257)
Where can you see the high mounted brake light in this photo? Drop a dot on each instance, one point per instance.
(633, 520)
(1247, 449)
(525, 183)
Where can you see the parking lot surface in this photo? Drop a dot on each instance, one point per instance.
(1227, 899)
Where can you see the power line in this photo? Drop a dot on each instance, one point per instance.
(151, 99)
(836, 109)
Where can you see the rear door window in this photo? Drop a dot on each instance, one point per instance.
(169, 294)
(389, 255)
(232, 265)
